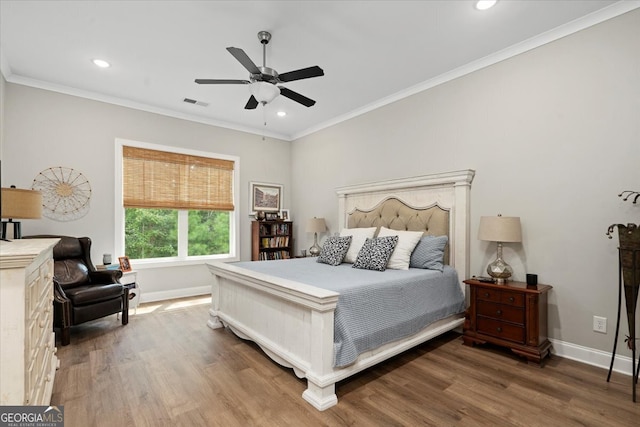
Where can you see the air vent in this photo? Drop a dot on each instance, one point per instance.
(193, 101)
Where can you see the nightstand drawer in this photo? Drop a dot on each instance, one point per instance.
(515, 299)
(501, 312)
(499, 329)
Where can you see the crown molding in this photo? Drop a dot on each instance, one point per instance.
(39, 84)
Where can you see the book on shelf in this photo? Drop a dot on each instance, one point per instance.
(275, 242)
(267, 256)
(274, 229)
(108, 267)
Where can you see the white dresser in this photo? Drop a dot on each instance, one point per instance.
(28, 359)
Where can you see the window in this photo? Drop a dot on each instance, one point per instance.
(175, 206)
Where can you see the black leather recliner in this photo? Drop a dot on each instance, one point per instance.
(82, 293)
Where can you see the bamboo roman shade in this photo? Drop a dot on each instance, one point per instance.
(163, 180)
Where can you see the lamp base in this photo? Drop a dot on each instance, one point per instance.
(500, 271)
(315, 249)
(17, 229)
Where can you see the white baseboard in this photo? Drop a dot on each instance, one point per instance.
(174, 293)
(591, 356)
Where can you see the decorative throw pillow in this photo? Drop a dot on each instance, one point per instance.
(375, 253)
(407, 241)
(334, 250)
(359, 236)
(429, 253)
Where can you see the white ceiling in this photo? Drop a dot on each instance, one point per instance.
(372, 52)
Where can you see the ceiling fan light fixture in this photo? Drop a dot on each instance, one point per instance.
(264, 92)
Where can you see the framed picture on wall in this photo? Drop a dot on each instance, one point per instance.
(265, 197)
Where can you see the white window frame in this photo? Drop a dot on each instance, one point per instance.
(183, 217)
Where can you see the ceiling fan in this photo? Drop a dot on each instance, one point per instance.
(264, 81)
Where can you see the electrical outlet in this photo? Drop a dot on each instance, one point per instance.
(600, 324)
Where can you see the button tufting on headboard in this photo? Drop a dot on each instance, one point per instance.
(396, 215)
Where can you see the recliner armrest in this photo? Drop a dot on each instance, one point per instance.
(105, 276)
(58, 293)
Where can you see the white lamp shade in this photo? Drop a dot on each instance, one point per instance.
(20, 204)
(500, 229)
(264, 92)
(316, 225)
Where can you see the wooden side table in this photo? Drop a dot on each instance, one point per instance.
(512, 315)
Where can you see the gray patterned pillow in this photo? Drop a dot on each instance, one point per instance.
(334, 250)
(375, 253)
(429, 253)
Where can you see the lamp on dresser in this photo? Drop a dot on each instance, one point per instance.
(17, 203)
(315, 226)
(500, 229)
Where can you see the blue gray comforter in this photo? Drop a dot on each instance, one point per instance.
(374, 308)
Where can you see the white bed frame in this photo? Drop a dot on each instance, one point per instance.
(293, 322)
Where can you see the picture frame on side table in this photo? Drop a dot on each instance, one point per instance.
(265, 197)
(125, 264)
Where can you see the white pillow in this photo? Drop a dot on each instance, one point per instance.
(407, 241)
(358, 239)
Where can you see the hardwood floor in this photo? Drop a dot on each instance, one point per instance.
(167, 368)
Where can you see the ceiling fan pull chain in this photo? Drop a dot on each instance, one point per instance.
(264, 113)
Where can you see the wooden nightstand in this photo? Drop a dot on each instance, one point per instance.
(512, 315)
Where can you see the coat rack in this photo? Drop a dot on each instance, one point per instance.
(629, 282)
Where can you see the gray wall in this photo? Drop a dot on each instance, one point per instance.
(554, 136)
(45, 129)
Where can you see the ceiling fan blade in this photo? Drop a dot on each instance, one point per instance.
(252, 103)
(221, 82)
(303, 73)
(244, 59)
(295, 96)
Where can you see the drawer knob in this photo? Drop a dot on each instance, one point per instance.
(498, 312)
(486, 294)
(499, 329)
(511, 299)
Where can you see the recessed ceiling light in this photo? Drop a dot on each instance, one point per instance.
(485, 4)
(101, 63)
(281, 113)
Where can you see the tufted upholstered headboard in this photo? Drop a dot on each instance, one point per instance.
(393, 213)
(436, 204)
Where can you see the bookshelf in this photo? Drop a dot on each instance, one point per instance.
(271, 240)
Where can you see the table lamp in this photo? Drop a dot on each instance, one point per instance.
(315, 226)
(500, 229)
(16, 203)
